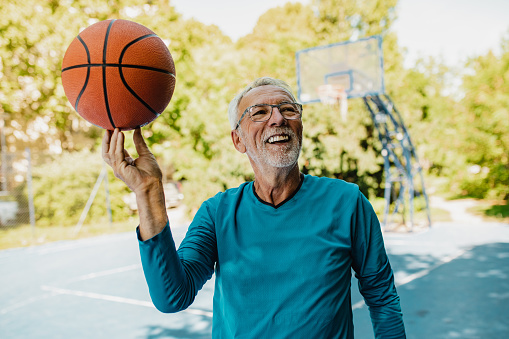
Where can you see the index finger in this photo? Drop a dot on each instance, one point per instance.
(139, 143)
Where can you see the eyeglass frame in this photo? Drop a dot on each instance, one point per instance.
(271, 111)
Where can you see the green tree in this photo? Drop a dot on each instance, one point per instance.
(334, 148)
(192, 139)
(484, 121)
(340, 20)
(38, 115)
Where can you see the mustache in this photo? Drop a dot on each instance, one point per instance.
(278, 131)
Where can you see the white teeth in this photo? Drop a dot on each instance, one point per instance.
(277, 138)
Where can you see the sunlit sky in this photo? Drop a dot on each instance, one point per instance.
(452, 30)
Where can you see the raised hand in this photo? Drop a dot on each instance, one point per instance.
(139, 174)
(142, 175)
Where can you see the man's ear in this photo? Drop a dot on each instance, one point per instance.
(237, 142)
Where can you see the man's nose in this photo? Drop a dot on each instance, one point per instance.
(276, 119)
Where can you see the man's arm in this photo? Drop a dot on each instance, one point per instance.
(142, 175)
(372, 268)
(173, 278)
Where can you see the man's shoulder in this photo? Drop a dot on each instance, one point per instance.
(230, 193)
(330, 183)
(222, 199)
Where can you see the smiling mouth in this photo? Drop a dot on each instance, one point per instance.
(278, 139)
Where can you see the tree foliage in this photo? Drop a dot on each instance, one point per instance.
(484, 120)
(192, 137)
(63, 186)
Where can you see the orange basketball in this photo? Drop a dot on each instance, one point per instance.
(117, 73)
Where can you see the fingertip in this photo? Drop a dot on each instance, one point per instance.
(137, 133)
(120, 137)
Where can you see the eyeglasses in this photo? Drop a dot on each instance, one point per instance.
(263, 112)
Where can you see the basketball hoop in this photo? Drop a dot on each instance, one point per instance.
(334, 95)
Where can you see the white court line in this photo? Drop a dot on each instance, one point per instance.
(359, 304)
(113, 298)
(104, 273)
(71, 245)
(64, 245)
(23, 303)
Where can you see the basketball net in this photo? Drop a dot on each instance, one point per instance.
(334, 95)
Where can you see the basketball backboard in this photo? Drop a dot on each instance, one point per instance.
(357, 66)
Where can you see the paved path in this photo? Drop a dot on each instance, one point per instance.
(453, 280)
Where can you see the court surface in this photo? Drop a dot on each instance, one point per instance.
(453, 280)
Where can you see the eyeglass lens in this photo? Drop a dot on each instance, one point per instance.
(263, 112)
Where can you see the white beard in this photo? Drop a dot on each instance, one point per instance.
(282, 156)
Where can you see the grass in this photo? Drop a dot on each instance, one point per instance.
(438, 214)
(420, 215)
(24, 235)
(420, 220)
(496, 211)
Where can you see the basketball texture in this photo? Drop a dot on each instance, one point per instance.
(118, 73)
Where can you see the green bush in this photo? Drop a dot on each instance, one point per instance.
(487, 184)
(63, 186)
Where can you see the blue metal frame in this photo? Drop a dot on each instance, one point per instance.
(381, 64)
(350, 77)
(407, 164)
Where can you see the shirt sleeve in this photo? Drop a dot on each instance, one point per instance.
(175, 277)
(374, 272)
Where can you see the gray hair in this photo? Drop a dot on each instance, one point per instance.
(234, 104)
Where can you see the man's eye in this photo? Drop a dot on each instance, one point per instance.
(289, 109)
(257, 111)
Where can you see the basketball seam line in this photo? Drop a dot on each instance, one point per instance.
(153, 111)
(136, 95)
(149, 68)
(104, 74)
(132, 43)
(88, 74)
(86, 48)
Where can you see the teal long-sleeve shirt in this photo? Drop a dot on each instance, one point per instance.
(281, 271)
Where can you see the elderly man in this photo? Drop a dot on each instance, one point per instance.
(282, 247)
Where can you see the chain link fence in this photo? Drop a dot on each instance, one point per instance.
(33, 187)
(40, 190)
(16, 192)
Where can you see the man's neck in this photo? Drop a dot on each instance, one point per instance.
(277, 184)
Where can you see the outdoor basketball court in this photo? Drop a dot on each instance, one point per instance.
(453, 280)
